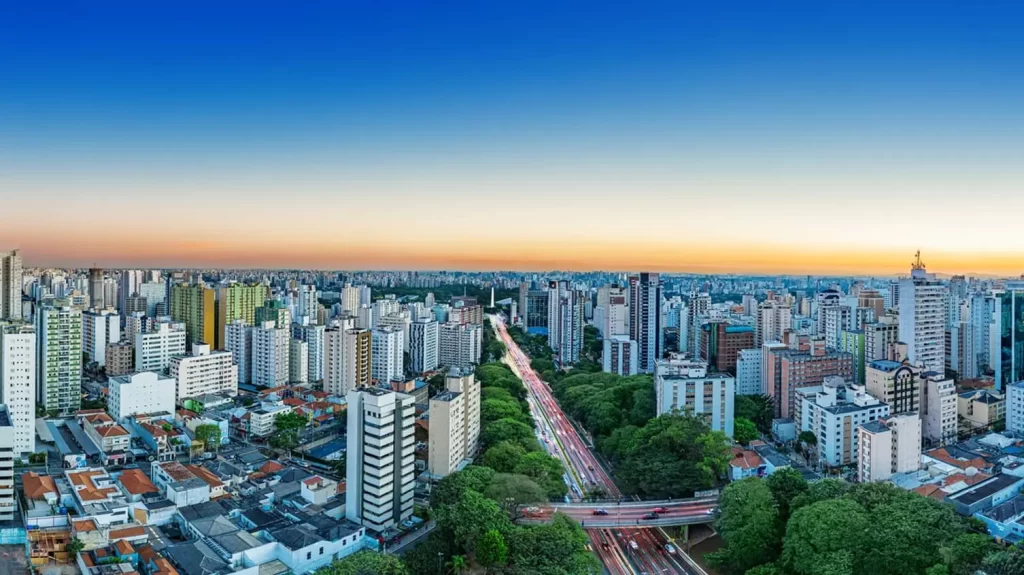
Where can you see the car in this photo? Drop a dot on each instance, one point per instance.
(600, 512)
(709, 512)
(590, 467)
(633, 545)
(650, 515)
(659, 510)
(532, 511)
(671, 549)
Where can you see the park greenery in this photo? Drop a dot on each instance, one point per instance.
(287, 427)
(673, 455)
(209, 434)
(783, 525)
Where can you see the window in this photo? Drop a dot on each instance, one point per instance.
(321, 550)
(309, 555)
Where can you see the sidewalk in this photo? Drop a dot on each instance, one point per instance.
(409, 540)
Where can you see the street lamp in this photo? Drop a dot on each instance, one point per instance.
(440, 563)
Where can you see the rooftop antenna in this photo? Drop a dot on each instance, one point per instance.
(918, 264)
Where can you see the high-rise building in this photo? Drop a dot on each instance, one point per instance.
(18, 383)
(923, 318)
(155, 293)
(852, 342)
(313, 335)
(357, 347)
(140, 393)
(459, 344)
(388, 355)
(938, 408)
(685, 385)
(238, 341)
(837, 319)
(721, 343)
(613, 318)
(334, 357)
(8, 444)
(881, 339)
(270, 354)
(96, 300)
(120, 358)
(380, 466)
(454, 423)
(298, 361)
(128, 286)
(960, 355)
(897, 384)
(59, 377)
(794, 366)
(237, 301)
(697, 310)
(832, 412)
(350, 299)
(307, 303)
(134, 304)
(565, 322)
(274, 310)
(155, 348)
(887, 446)
(423, 345)
(10, 285)
(195, 305)
(99, 328)
(645, 319)
(204, 371)
(619, 355)
(1008, 319)
(748, 372)
(536, 311)
(771, 320)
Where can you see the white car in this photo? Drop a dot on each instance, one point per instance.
(670, 548)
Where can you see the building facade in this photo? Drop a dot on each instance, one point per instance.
(387, 355)
(204, 371)
(140, 394)
(423, 345)
(18, 383)
(922, 318)
(619, 355)
(99, 328)
(237, 301)
(195, 306)
(59, 378)
(887, 446)
(687, 386)
(270, 355)
(155, 348)
(380, 469)
(645, 319)
(748, 372)
(10, 286)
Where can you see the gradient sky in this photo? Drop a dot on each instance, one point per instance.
(817, 137)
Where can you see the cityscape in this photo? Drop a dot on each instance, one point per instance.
(480, 288)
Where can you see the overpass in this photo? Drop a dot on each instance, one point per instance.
(614, 514)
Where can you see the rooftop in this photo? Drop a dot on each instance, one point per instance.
(985, 489)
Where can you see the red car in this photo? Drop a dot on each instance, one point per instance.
(660, 510)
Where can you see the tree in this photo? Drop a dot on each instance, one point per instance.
(744, 431)
(808, 438)
(819, 491)
(1008, 562)
(512, 491)
(365, 563)
(458, 564)
(764, 570)
(748, 524)
(673, 456)
(503, 456)
(286, 440)
(492, 551)
(545, 470)
(470, 518)
(558, 548)
(495, 409)
(785, 484)
(209, 435)
(759, 409)
(289, 420)
(826, 537)
(510, 430)
(75, 546)
(965, 554)
(908, 530)
(450, 489)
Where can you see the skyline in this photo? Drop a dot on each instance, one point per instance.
(806, 139)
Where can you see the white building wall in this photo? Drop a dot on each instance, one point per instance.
(387, 355)
(204, 372)
(748, 372)
(154, 349)
(140, 393)
(18, 383)
(238, 341)
(98, 329)
(270, 354)
(423, 346)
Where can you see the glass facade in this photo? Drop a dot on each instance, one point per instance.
(1011, 337)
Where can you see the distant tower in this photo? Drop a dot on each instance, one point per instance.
(96, 288)
(492, 296)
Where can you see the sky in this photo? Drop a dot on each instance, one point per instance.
(762, 137)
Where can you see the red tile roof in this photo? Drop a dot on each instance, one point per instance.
(37, 486)
(127, 532)
(135, 482)
(271, 467)
(745, 459)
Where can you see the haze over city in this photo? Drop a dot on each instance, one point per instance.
(800, 139)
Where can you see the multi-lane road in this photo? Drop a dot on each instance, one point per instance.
(644, 550)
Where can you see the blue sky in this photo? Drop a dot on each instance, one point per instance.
(782, 119)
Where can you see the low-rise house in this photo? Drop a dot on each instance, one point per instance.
(111, 439)
(44, 509)
(986, 494)
(981, 408)
(180, 485)
(317, 490)
(216, 485)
